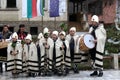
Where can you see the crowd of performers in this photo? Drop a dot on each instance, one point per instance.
(52, 54)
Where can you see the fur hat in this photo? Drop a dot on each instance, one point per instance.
(73, 28)
(95, 18)
(63, 32)
(46, 30)
(14, 35)
(55, 32)
(40, 36)
(29, 36)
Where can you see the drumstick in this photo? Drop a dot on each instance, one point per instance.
(93, 41)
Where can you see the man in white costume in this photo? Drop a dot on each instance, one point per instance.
(55, 56)
(72, 38)
(30, 57)
(14, 56)
(40, 36)
(46, 47)
(63, 52)
(99, 33)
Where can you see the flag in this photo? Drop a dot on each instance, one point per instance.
(32, 8)
(24, 8)
(54, 8)
(62, 7)
(29, 8)
(40, 7)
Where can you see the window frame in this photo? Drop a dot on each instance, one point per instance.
(8, 6)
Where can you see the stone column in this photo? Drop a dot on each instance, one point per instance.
(0, 3)
(18, 4)
(115, 61)
(3, 4)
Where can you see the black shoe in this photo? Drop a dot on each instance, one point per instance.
(49, 73)
(59, 72)
(64, 72)
(67, 70)
(54, 71)
(95, 73)
(39, 74)
(32, 74)
(75, 69)
(43, 74)
(1, 72)
(29, 74)
(100, 74)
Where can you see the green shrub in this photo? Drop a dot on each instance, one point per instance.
(114, 35)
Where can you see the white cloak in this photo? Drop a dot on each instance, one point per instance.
(100, 33)
(60, 54)
(77, 56)
(75, 37)
(30, 58)
(14, 62)
(49, 52)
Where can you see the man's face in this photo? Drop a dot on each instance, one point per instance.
(94, 23)
(5, 29)
(27, 41)
(54, 37)
(14, 39)
(72, 32)
(62, 37)
(22, 29)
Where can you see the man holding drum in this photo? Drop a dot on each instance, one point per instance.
(99, 33)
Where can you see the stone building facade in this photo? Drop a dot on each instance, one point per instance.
(11, 14)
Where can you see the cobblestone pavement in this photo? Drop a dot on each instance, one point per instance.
(83, 75)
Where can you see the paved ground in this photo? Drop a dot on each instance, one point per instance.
(83, 75)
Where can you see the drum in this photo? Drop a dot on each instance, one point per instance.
(3, 45)
(86, 42)
(3, 51)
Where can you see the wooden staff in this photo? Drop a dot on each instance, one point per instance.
(63, 61)
(14, 54)
(46, 56)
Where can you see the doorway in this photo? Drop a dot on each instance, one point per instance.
(76, 9)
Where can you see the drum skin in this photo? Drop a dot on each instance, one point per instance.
(86, 42)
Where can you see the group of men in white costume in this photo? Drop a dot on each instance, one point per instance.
(52, 50)
(61, 55)
(22, 58)
(55, 53)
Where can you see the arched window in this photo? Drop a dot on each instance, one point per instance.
(11, 3)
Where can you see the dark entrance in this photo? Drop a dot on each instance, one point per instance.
(76, 9)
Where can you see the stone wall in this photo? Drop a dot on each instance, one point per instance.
(50, 24)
